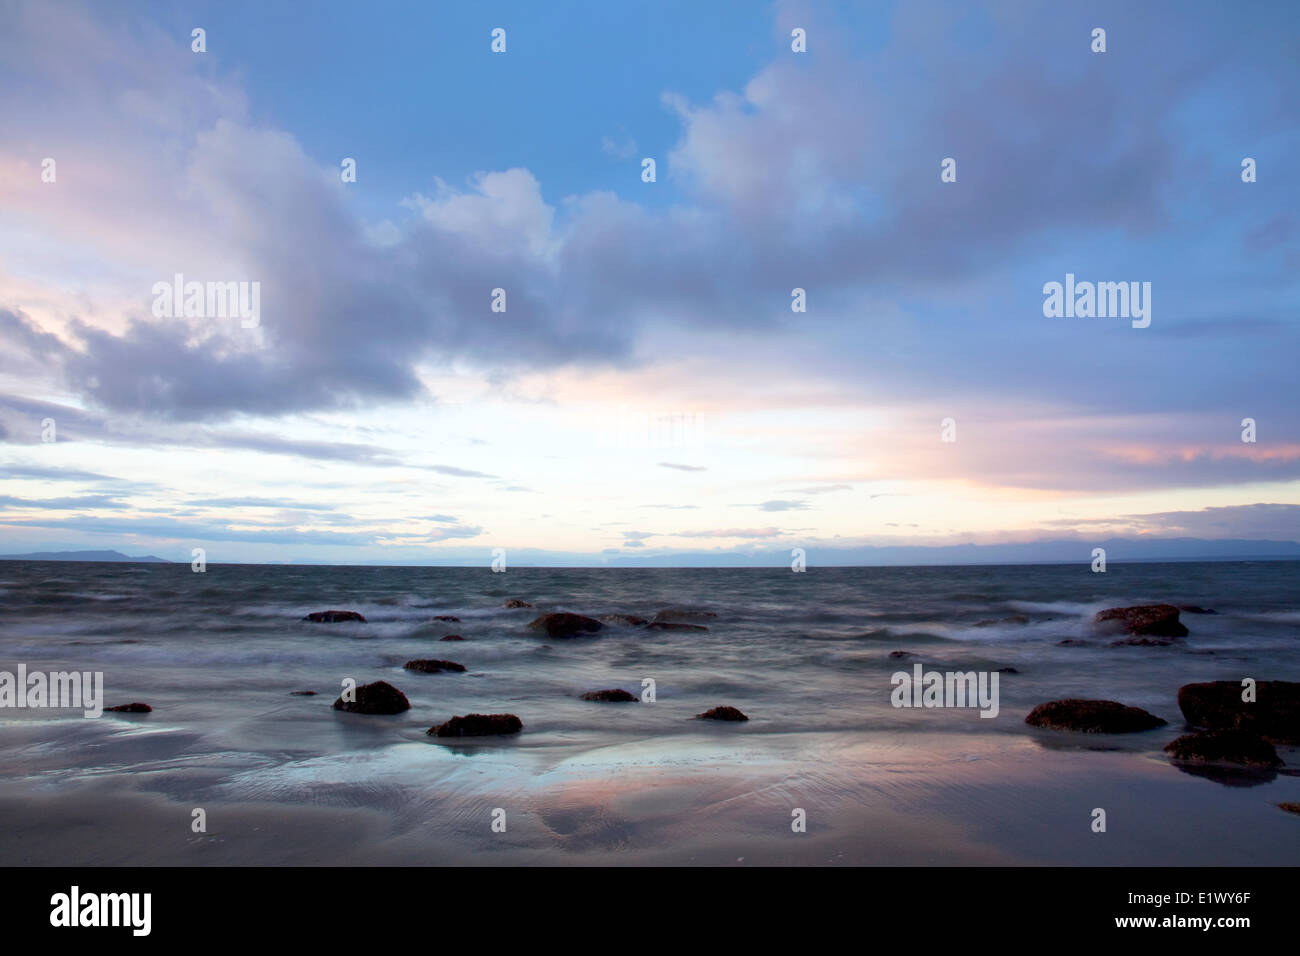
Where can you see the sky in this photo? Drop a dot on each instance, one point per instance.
(649, 393)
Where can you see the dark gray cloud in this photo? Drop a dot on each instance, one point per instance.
(820, 176)
(78, 424)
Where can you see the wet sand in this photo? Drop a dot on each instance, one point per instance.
(715, 798)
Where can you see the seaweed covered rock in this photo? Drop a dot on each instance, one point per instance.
(380, 697)
(333, 617)
(1158, 620)
(721, 713)
(1092, 717)
(478, 725)
(1274, 714)
(1224, 746)
(434, 666)
(563, 624)
(616, 696)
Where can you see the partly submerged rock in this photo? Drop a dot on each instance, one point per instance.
(380, 697)
(132, 708)
(1290, 807)
(451, 618)
(1160, 620)
(302, 693)
(514, 603)
(563, 624)
(1092, 717)
(478, 725)
(1274, 714)
(434, 666)
(615, 696)
(900, 655)
(334, 617)
(1224, 746)
(674, 626)
(626, 620)
(1193, 609)
(722, 713)
(1073, 642)
(683, 615)
(1143, 642)
(452, 637)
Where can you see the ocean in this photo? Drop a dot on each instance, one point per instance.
(806, 656)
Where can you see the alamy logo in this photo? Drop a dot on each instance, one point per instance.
(208, 300)
(103, 909)
(953, 689)
(84, 690)
(1102, 300)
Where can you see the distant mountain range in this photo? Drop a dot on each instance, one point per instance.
(1052, 551)
(82, 556)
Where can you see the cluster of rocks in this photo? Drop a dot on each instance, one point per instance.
(381, 697)
(1225, 729)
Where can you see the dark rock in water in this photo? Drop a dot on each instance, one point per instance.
(682, 615)
(563, 624)
(452, 637)
(514, 603)
(1013, 619)
(1143, 642)
(1072, 642)
(674, 626)
(1290, 807)
(447, 617)
(380, 697)
(627, 620)
(722, 713)
(617, 696)
(434, 667)
(302, 693)
(1160, 620)
(1193, 609)
(133, 708)
(1092, 717)
(478, 725)
(334, 617)
(1007, 670)
(1224, 746)
(900, 655)
(1217, 705)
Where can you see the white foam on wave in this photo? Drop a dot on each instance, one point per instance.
(1061, 607)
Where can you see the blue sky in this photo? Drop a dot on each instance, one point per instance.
(648, 391)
